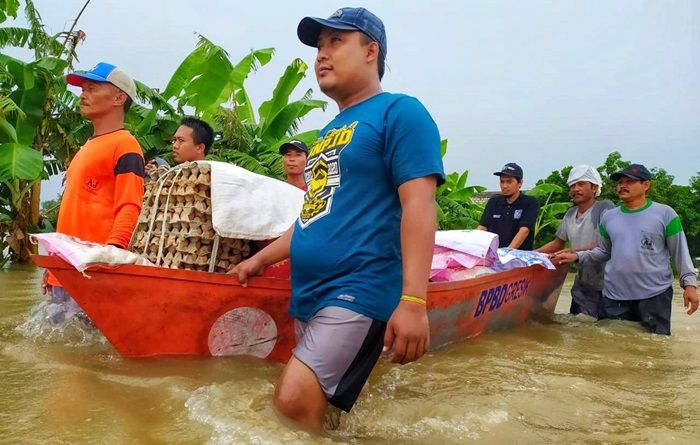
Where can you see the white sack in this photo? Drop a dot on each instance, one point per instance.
(246, 205)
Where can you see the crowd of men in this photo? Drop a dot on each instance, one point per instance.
(361, 252)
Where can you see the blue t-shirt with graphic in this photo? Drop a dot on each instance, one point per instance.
(346, 248)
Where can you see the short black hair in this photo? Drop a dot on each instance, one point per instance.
(380, 60)
(127, 103)
(202, 133)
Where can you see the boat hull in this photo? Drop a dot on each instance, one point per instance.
(150, 311)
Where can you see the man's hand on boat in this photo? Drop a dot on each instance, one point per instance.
(276, 251)
(247, 268)
(407, 333)
(566, 256)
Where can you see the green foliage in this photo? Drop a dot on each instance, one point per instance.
(13, 36)
(49, 215)
(18, 161)
(38, 120)
(557, 177)
(455, 208)
(253, 144)
(550, 212)
(214, 87)
(207, 79)
(8, 8)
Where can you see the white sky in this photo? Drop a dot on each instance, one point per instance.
(541, 83)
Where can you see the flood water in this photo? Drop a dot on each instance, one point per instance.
(567, 381)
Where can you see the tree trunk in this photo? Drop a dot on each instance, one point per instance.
(35, 204)
(20, 244)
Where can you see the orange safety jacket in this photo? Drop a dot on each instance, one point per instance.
(104, 191)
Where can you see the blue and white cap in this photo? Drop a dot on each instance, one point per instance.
(347, 19)
(105, 72)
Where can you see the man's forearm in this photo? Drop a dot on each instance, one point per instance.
(278, 250)
(555, 245)
(519, 238)
(417, 234)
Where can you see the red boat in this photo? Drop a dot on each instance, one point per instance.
(151, 311)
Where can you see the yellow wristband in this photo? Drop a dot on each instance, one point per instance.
(413, 299)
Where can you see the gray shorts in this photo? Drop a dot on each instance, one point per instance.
(341, 347)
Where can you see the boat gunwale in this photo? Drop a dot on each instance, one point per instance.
(51, 261)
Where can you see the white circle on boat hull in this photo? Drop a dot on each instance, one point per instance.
(243, 331)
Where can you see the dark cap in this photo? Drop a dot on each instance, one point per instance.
(295, 144)
(634, 171)
(347, 19)
(511, 169)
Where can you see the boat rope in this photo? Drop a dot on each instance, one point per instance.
(165, 216)
(175, 171)
(214, 252)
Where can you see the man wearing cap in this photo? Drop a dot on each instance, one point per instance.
(294, 155)
(579, 228)
(104, 181)
(362, 246)
(191, 142)
(511, 215)
(636, 240)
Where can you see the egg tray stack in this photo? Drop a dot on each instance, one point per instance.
(175, 227)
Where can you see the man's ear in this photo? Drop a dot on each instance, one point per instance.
(372, 51)
(120, 98)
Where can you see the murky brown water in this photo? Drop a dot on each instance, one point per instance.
(569, 381)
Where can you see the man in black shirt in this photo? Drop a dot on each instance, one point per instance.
(511, 215)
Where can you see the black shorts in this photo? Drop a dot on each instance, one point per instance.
(653, 313)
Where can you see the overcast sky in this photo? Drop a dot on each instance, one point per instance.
(541, 83)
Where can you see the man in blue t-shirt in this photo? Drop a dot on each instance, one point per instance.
(362, 247)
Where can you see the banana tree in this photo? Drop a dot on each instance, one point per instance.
(254, 143)
(20, 168)
(24, 90)
(213, 87)
(37, 115)
(454, 203)
(204, 82)
(455, 208)
(8, 8)
(550, 212)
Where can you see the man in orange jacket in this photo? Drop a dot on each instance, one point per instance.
(104, 181)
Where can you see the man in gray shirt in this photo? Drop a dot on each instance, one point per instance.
(637, 239)
(579, 228)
